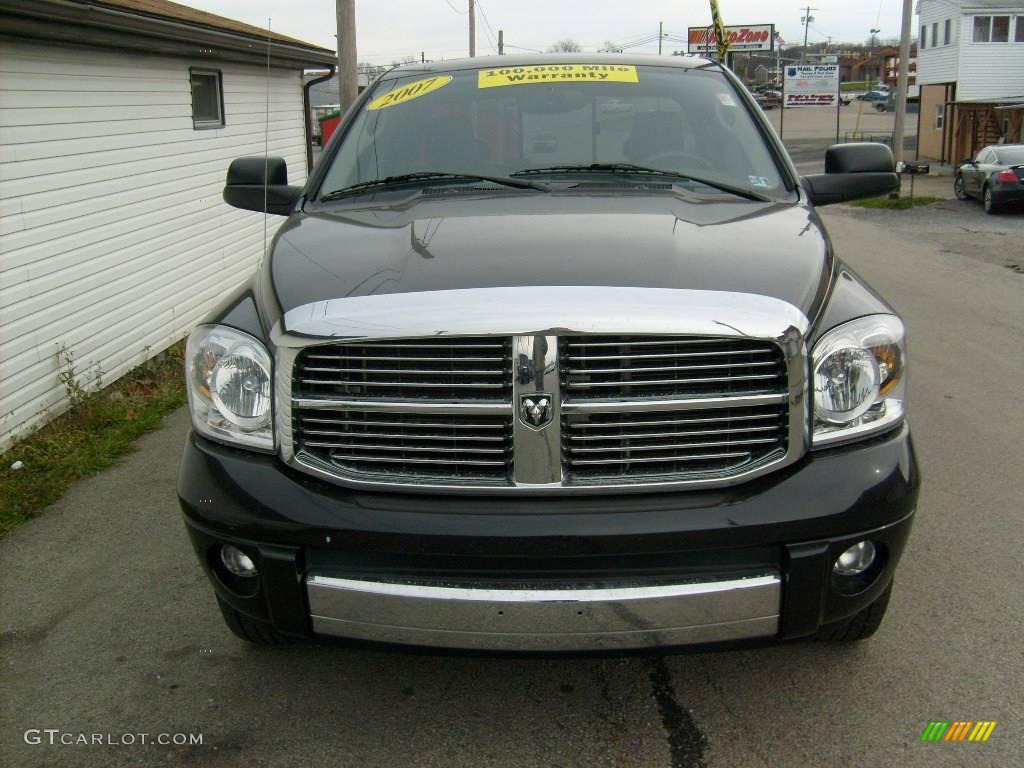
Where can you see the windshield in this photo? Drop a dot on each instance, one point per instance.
(503, 121)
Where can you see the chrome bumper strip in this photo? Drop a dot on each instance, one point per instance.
(546, 619)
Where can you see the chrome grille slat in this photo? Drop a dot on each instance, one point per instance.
(416, 372)
(401, 448)
(427, 384)
(393, 460)
(691, 433)
(660, 459)
(673, 355)
(640, 342)
(663, 422)
(406, 435)
(656, 382)
(404, 359)
(404, 425)
(672, 446)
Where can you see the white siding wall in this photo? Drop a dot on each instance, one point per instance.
(938, 64)
(990, 70)
(114, 239)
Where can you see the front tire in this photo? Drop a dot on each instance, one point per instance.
(860, 626)
(251, 630)
(988, 200)
(959, 188)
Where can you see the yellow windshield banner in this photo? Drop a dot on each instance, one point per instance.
(558, 73)
(410, 92)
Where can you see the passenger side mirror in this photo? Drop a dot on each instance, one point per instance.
(245, 186)
(853, 171)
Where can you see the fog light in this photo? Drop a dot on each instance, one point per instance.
(855, 560)
(237, 562)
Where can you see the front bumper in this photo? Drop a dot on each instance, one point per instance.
(552, 573)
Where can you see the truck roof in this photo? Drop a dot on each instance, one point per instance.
(535, 59)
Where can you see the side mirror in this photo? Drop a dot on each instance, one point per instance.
(853, 171)
(245, 187)
(968, 161)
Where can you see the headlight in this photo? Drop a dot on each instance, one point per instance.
(858, 373)
(229, 386)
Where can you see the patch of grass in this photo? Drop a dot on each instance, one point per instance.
(98, 428)
(899, 204)
(855, 85)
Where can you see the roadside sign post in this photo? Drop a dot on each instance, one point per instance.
(782, 109)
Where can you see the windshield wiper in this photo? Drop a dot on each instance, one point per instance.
(406, 178)
(749, 194)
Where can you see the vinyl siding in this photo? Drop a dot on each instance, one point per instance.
(938, 64)
(990, 70)
(114, 240)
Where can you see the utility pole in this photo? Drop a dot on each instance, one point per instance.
(901, 83)
(807, 19)
(661, 34)
(871, 58)
(472, 29)
(501, 42)
(348, 78)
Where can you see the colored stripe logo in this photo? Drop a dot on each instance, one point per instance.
(958, 730)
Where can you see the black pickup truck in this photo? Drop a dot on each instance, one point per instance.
(552, 353)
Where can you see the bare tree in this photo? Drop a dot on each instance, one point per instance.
(565, 45)
(610, 47)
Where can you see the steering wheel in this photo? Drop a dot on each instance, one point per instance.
(683, 160)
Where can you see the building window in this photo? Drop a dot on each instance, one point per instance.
(1019, 32)
(207, 98)
(1000, 29)
(935, 34)
(924, 36)
(947, 32)
(940, 116)
(991, 29)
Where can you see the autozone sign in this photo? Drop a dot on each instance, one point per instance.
(752, 37)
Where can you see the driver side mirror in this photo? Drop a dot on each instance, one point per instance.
(969, 161)
(853, 171)
(245, 187)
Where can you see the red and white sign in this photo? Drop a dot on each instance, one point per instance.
(811, 85)
(753, 37)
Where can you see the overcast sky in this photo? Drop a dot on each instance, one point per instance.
(390, 29)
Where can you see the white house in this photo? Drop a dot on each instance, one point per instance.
(118, 119)
(970, 66)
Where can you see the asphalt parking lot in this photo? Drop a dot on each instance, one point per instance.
(108, 626)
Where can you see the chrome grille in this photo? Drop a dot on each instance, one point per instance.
(443, 370)
(632, 367)
(629, 411)
(453, 447)
(668, 444)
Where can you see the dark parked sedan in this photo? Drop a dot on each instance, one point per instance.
(995, 176)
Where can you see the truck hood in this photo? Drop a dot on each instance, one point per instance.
(713, 243)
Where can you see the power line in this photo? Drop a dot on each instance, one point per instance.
(454, 9)
(488, 30)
